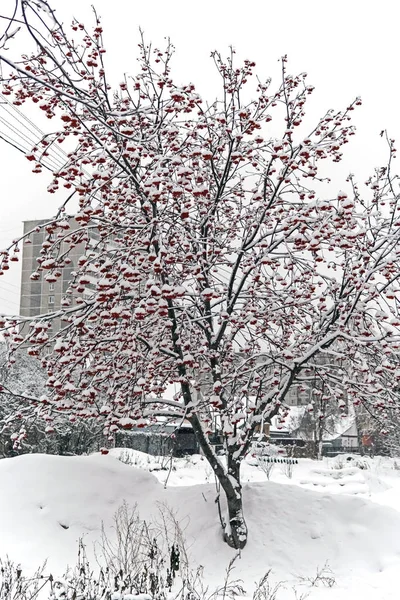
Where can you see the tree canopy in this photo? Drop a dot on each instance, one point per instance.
(215, 254)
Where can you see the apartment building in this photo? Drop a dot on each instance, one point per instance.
(39, 296)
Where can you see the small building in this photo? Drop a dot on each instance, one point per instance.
(341, 442)
(161, 439)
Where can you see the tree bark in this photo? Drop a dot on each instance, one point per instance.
(236, 534)
(235, 531)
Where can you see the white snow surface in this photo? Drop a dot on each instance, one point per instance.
(348, 517)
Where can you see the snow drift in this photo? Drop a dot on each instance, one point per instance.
(48, 502)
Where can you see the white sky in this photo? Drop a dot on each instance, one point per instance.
(348, 48)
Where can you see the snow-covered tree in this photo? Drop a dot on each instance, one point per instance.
(217, 255)
(23, 380)
(24, 426)
(321, 415)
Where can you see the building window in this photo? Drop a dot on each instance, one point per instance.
(51, 299)
(51, 287)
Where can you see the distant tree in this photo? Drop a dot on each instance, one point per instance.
(217, 256)
(25, 379)
(24, 426)
(321, 415)
(375, 436)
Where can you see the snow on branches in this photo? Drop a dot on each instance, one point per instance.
(214, 253)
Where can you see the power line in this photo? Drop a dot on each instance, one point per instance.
(17, 131)
(19, 146)
(10, 229)
(32, 125)
(2, 282)
(13, 292)
(29, 134)
(10, 302)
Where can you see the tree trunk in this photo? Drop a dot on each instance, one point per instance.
(319, 432)
(235, 531)
(320, 449)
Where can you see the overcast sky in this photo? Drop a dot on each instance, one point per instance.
(349, 48)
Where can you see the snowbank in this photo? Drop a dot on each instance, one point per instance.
(48, 502)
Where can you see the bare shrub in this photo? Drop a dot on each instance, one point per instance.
(149, 568)
(231, 588)
(126, 458)
(265, 590)
(341, 462)
(145, 560)
(14, 585)
(324, 576)
(266, 463)
(287, 467)
(300, 595)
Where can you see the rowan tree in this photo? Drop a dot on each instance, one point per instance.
(215, 255)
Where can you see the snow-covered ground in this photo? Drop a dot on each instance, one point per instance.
(330, 512)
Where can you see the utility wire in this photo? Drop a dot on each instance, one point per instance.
(22, 143)
(21, 148)
(29, 136)
(8, 291)
(13, 292)
(7, 301)
(7, 105)
(17, 131)
(8, 283)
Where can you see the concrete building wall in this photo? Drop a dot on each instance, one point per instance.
(41, 297)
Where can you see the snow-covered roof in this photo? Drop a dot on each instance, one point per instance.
(289, 423)
(342, 425)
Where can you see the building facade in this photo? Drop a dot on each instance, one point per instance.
(38, 296)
